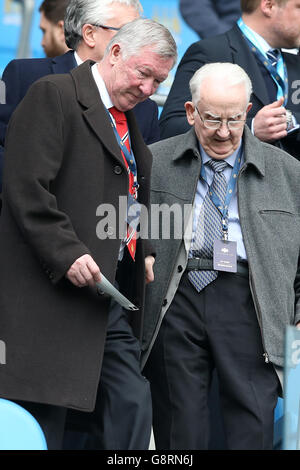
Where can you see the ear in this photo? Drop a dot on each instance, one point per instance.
(115, 54)
(60, 26)
(190, 112)
(88, 35)
(248, 108)
(267, 7)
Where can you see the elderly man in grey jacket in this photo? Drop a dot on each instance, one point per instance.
(227, 278)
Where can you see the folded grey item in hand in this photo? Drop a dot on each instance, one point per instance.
(106, 287)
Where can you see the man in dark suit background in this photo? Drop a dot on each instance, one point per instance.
(265, 25)
(87, 41)
(63, 167)
(210, 17)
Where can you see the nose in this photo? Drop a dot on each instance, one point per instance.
(43, 43)
(223, 130)
(147, 87)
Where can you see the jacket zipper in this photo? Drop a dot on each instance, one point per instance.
(252, 286)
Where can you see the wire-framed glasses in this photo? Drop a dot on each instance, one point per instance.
(232, 124)
(106, 27)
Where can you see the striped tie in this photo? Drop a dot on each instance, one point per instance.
(209, 227)
(273, 56)
(122, 128)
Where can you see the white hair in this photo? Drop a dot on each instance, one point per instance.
(140, 33)
(227, 72)
(81, 12)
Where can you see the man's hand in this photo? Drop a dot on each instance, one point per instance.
(149, 262)
(270, 122)
(84, 271)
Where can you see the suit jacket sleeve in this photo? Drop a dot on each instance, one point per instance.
(18, 75)
(154, 132)
(204, 17)
(33, 158)
(146, 114)
(10, 78)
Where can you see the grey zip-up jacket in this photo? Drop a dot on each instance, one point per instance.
(269, 209)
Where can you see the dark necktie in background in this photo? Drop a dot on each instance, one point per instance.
(274, 56)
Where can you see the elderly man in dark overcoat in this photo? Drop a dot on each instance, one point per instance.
(67, 346)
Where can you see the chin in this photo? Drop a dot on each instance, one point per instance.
(220, 154)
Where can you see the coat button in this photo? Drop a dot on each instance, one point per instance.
(179, 269)
(165, 302)
(118, 169)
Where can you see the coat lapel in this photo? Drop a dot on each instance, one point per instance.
(243, 56)
(94, 112)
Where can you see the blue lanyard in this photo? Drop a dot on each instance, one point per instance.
(223, 209)
(282, 83)
(128, 155)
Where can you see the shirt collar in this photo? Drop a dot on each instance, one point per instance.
(105, 98)
(254, 37)
(79, 61)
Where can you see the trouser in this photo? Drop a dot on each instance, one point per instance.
(123, 413)
(218, 328)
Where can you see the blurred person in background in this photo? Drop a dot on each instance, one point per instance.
(210, 17)
(52, 27)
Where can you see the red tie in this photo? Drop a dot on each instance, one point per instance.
(122, 128)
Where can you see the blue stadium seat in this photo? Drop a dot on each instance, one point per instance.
(19, 430)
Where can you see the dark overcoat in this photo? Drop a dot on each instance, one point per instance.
(62, 162)
(19, 74)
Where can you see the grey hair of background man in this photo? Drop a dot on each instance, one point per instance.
(140, 33)
(227, 73)
(81, 12)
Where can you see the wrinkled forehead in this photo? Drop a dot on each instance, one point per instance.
(150, 61)
(220, 96)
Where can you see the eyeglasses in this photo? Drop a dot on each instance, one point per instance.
(217, 123)
(106, 27)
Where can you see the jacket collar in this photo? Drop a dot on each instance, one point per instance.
(188, 142)
(253, 149)
(63, 63)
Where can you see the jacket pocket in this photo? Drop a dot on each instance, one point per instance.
(277, 211)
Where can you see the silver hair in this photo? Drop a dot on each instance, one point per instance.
(140, 33)
(81, 12)
(232, 73)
